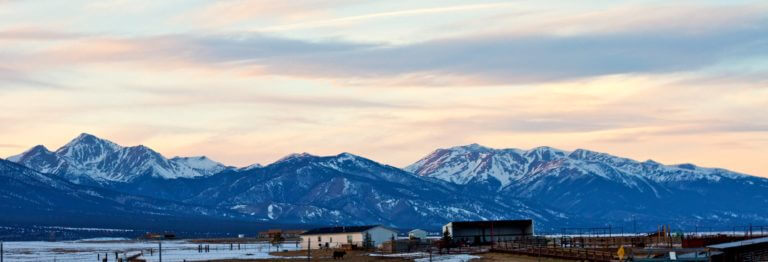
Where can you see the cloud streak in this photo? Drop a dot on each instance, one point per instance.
(249, 81)
(373, 16)
(494, 59)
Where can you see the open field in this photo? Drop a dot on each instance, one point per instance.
(181, 250)
(356, 256)
(231, 249)
(177, 250)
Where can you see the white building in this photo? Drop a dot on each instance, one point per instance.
(417, 233)
(354, 236)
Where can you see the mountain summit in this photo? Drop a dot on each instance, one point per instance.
(88, 159)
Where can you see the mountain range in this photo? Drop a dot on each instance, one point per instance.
(556, 188)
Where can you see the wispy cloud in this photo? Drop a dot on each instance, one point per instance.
(496, 59)
(248, 80)
(18, 79)
(372, 16)
(36, 34)
(238, 11)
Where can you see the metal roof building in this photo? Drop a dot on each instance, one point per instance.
(477, 232)
(745, 250)
(335, 230)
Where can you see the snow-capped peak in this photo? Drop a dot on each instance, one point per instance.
(87, 149)
(88, 156)
(294, 156)
(476, 147)
(36, 150)
(86, 139)
(327, 161)
(545, 153)
(201, 163)
(348, 156)
(250, 167)
(464, 164)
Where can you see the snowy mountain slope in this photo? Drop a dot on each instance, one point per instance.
(250, 167)
(201, 164)
(556, 188)
(602, 187)
(467, 164)
(478, 164)
(25, 191)
(37, 206)
(348, 189)
(41, 159)
(87, 149)
(89, 159)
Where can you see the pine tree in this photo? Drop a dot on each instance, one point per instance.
(446, 241)
(367, 241)
(447, 237)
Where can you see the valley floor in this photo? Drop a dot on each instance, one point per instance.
(183, 250)
(177, 250)
(356, 256)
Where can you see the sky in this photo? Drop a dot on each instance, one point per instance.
(250, 81)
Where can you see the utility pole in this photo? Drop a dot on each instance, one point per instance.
(160, 250)
(309, 249)
(634, 224)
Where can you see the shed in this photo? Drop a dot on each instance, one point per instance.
(417, 234)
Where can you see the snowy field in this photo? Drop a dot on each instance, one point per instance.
(424, 257)
(91, 250)
(707, 233)
(449, 258)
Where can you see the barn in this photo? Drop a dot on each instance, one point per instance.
(480, 232)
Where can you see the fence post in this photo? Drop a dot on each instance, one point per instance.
(2, 251)
(160, 251)
(309, 249)
(539, 253)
